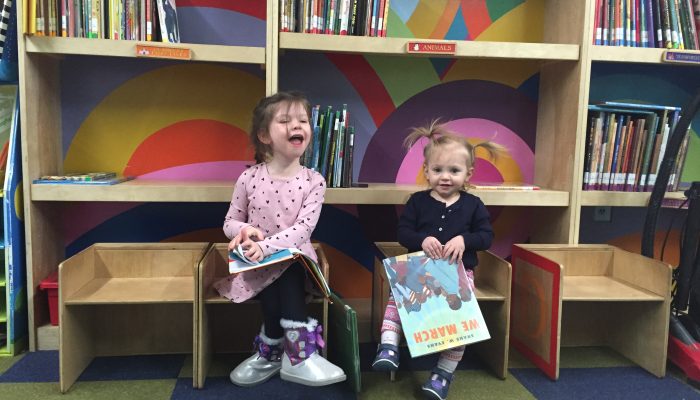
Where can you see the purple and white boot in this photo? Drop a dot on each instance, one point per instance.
(261, 366)
(301, 362)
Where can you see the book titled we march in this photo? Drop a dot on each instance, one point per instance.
(436, 304)
(238, 262)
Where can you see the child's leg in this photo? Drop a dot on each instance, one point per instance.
(387, 358)
(391, 325)
(278, 300)
(450, 358)
(267, 359)
(302, 362)
(438, 384)
(271, 307)
(292, 294)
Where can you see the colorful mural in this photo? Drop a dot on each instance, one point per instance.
(166, 120)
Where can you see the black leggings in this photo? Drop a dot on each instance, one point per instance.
(284, 298)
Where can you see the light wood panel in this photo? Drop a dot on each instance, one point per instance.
(622, 199)
(634, 55)
(134, 291)
(398, 46)
(603, 288)
(127, 48)
(221, 191)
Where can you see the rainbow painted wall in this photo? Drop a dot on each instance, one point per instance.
(167, 120)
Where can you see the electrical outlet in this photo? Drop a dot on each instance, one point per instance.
(602, 214)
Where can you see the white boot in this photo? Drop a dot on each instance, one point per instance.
(301, 362)
(262, 365)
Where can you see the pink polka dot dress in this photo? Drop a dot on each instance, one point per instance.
(286, 210)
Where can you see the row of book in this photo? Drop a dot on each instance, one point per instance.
(335, 17)
(145, 20)
(86, 178)
(331, 151)
(671, 24)
(626, 144)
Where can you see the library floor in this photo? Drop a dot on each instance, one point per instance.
(587, 373)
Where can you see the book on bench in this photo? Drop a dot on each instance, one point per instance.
(238, 262)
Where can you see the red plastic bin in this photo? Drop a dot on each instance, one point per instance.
(50, 284)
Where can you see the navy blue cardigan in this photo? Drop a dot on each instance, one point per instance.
(425, 216)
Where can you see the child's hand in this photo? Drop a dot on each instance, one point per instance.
(432, 247)
(253, 251)
(247, 233)
(454, 249)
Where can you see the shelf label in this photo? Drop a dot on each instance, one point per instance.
(175, 53)
(431, 47)
(681, 57)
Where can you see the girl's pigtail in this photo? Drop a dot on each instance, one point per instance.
(431, 132)
(495, 150)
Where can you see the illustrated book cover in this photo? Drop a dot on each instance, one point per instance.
(436, 303)
(167, 15)
(238, 262)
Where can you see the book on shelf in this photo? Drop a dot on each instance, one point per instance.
(436, 303)
(100, 19)
(238, 262)
(89, 178)
(671, 24)
(625, 145)
(502, 186)
(335, 17)
(331, 151)
(167, 15)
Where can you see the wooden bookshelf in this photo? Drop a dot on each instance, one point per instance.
(397, 46)
(221, 191)
(622, 199)
(127, 48)
(566, 56)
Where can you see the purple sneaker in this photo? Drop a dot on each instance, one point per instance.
(436, 389)
(387, 359)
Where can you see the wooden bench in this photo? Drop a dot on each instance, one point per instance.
(589, 295)
(225, 327)
(492, 279)
(125, 299)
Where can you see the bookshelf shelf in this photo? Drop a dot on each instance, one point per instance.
(127, 48)
(397, 46)
(622, 199)
(631, 55)
(220, 191)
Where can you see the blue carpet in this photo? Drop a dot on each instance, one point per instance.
(38, 366)
(133, 368)
(603, 383)
(275, 388)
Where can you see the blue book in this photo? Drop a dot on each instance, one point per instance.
(436, 303)
(238, 262)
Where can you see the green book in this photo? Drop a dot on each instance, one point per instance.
(343, 344)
